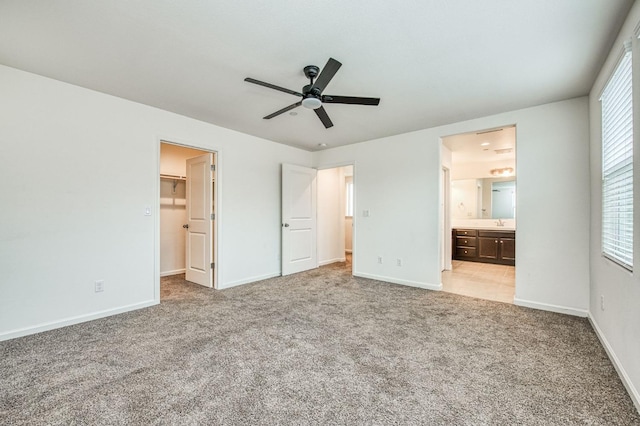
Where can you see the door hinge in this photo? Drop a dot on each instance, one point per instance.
(213, 167)
(213, 265)
(213, 216)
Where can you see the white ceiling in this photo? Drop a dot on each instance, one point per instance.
(474, 155)
(431, 62)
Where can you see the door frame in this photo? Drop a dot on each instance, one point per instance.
(355, 208)
(445, 220)
(217, 201)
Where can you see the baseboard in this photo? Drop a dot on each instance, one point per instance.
(328, 262)
(626, 381)
(417, 284)
(248, 280)
(174, 272)
(552, 308)
(74, 320)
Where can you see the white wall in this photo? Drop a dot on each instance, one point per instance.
(82, 168)
(331, 196)
(477, 170)
(173, 214)
(173, 158)
(398, 182)
(464, 199)
(618, 325)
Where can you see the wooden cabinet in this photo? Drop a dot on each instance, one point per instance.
(464, 243)
(487, 246)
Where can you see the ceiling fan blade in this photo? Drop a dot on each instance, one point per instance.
(272, 86)
(285, 109)
(322, 115)
(327, 74)
(330, 99)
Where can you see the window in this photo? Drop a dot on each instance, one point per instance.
(617, 165)
(349, 200)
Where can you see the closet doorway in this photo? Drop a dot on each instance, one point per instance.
(188, 200)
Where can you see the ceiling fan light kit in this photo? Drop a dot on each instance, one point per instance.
(312, 97)
(311, 102)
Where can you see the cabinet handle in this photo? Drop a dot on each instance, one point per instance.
(496, 241)
(465, 241)
(465, 252)
(501, 242)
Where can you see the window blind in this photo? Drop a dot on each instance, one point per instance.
(617, 165)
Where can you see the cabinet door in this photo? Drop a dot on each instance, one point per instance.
(487, 248)
(508, 249)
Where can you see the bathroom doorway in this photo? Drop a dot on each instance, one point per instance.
(481, 213)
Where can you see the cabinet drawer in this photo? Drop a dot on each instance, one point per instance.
(466, 232)
(497, 234)
(466, 242)
(465, 252)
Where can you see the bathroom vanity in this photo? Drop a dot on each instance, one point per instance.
(484, 245)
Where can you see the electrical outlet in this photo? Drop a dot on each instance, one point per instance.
(99, 286)
(602, 302)
(366, 213)
(399, 262)
(379, 259)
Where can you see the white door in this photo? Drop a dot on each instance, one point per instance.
(299, 234)
(199, 253)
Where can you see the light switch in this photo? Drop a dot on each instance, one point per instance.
(365, 213)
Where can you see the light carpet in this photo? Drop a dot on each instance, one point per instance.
(320, 347)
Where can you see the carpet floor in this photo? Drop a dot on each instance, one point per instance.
(320, 347)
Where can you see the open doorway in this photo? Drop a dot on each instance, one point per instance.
(188, 200)
(481, 213)
(335, 216)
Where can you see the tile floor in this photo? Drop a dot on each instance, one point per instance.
(481, 280)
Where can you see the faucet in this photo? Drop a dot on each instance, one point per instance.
(500, 222)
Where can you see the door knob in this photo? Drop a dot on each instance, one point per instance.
(185, 226)
(286, 225)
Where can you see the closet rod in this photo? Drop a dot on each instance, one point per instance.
(174, 177)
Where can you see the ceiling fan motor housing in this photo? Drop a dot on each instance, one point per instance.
(311, 71)
(310, 90)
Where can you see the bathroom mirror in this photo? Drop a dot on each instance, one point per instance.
(488, 198)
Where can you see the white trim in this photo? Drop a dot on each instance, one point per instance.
(74, 320)
(551, 308)
(174, 272)
(624, 377)
(621, 52)
(249, 280)
(330, 261)
(156, 225)
(426, 286)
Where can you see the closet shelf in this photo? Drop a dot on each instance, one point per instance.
(172, 177)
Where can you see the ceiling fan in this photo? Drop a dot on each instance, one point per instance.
(312, 96)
